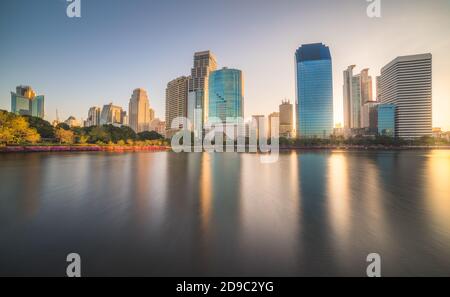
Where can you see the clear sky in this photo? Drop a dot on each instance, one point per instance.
(119, 45)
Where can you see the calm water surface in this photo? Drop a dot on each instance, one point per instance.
(167, 214)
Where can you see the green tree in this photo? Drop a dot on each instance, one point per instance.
(127, 133)
(44, 128)
(64, 136)
(98, 135)
(63, 126)
(16, 130)
(149, 135)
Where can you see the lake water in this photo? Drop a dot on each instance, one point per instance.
(164, 214)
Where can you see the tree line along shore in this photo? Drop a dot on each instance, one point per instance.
(26, 133)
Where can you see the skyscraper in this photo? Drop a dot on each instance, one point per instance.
(139, 111)
(314, 91)
(176, 102)
(226, 95)
(357, 92)
(348, 98)
(152, 114)
(204, 63)
(286, 111)
(356, 102)
(378, 88)
(112, 115)
(407, 82)
(25, 102)
(386, 120)
(366, 97)
(93, 118)
(369, 118)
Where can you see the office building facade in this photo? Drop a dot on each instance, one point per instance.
(286, 111)
(406, 82)
(176, 103)
(139, 111)
(204, 63)
(357, 91)
(112, 115)
(25, 102)
(93, 118)
(314, 82)
(226, 96)
(386, 119)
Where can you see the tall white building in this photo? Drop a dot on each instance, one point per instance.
(406, 82)
(139, 111)
(176, 103)
(347, 90)
(357, 92)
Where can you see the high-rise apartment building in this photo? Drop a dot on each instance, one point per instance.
(176, 103)
(112, 115)
(25, 102)
(378, 88)
(204, 64)
(348, 98)
(366, 97)
(286, 111)
(93, 118)
(357, 91)
(139, 111)
(406, 82)
(314, 91)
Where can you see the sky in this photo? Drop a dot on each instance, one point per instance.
(119, 45)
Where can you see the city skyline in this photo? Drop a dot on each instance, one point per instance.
(73, 87)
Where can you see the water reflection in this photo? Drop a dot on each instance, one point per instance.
(438, 194)
(339, 202)
(269, 215)
(311, 213)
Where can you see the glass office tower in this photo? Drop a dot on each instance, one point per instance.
(226, 98)
(314, 81)
(386, 120)
(25, 102)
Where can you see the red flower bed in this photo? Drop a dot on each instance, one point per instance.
(87, 148)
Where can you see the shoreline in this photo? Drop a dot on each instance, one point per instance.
(152, 148)
(366, 148)
(82, 148)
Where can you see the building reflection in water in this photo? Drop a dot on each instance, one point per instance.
(339, 199)
(166, 214)
(205, 194)
(438, 193)
(29, 196)
(269, 215)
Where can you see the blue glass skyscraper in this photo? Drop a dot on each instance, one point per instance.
(314, 82)
(386, 119)
(25, 102)
(226, 98)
